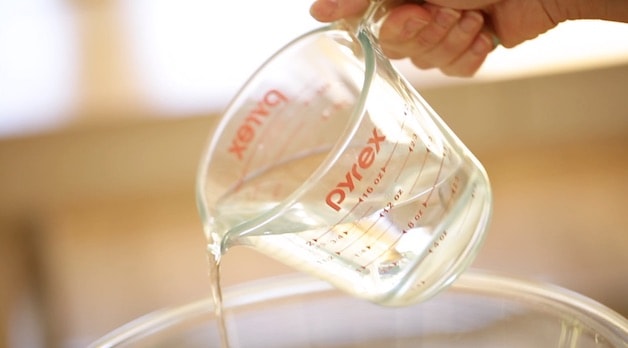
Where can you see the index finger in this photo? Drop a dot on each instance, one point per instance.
(332, 10)
(463, 4)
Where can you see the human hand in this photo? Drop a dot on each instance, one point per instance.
(431, 36)
(515, 21)
(456, 35)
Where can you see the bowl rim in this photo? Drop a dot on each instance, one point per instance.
(612, 325)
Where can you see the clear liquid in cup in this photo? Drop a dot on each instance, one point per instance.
(387, 246)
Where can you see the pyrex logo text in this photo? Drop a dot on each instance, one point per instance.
(365, 159)
(253, 120)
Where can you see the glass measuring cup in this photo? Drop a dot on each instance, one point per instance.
(329, 161)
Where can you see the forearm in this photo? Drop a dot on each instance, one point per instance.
(611, 10)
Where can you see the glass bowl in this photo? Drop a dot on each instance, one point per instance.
(478, 310)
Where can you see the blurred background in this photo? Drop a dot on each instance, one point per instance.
(105, 107)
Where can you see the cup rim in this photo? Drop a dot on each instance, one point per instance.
(610, 324)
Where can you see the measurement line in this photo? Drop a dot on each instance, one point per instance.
(440, 169)
(364, 233)
(296, 104)
(339, 222)
(392, 152)
(403, 166)
(274, 117)
(416, 180)
(364, 266)
(405, 162)
(384, 233)
(462, 222)
(291, 136)
(448, 204)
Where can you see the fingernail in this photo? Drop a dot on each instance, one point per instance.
(471, 21)
(446, 16)
(495, 40)
(411, 27)
(482, 44)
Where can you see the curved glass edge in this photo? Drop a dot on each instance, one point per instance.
(353, 122)
(211, 142)
(570, 304)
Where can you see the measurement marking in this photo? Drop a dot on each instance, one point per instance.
(411, 148)
(384, 233)
(387, 210)
(269, 125)
(462, 222)
(368, 211)
(448, 204)
(405, 162)
(451, 198)
(440, 169)
(291, 136)
(361, 199)
(416, 180)
(364, 233)
(301, 108)
(378, 256)
(392, 152)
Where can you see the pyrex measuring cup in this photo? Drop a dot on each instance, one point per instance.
(329, 161)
